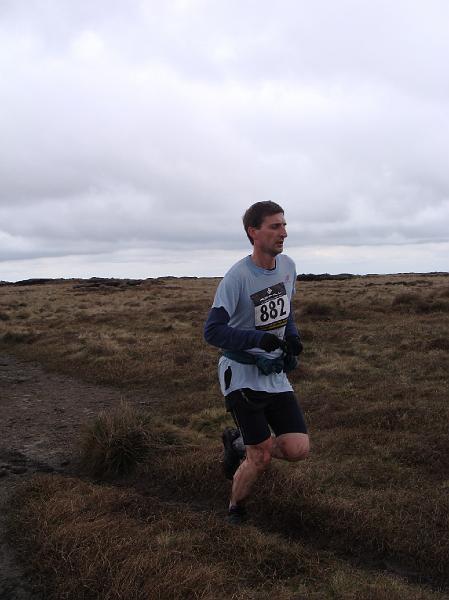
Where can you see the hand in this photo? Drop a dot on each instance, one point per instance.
(270, 342)
(294, 345)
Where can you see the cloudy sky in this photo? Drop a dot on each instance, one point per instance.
(133, 135)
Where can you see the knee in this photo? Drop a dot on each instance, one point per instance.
(260, 456)
(295, 450)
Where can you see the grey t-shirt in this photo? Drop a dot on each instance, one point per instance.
(256, 298)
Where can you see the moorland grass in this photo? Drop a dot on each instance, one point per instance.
(372, 381)
(116, 441)
(88, 541)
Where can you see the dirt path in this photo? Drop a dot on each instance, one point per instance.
(41, 415)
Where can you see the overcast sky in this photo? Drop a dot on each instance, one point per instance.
(133, 135)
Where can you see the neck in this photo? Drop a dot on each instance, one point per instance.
(262, 260)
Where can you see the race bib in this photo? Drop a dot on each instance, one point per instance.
(271, 307)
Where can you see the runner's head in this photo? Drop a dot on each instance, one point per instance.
(255, 215)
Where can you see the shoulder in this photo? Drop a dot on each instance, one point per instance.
(286, 262)
(233, 281)
(238, 271)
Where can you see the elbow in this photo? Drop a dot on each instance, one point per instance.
(209, 335)
(213, 327)
(206, 335)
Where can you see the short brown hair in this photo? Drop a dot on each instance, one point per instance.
(256, 213)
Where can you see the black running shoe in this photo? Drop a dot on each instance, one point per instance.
(236, 515)
(231, 457)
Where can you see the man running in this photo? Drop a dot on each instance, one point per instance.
(252, 322)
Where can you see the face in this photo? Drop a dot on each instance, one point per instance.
(269, 238)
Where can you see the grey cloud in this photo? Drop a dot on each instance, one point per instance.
(156, 125)
(403, 42)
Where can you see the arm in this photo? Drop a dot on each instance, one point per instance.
(217, 330)
(218, 333)
(290, 328)
(292, 336)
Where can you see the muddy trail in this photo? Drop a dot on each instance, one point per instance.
(41, 417)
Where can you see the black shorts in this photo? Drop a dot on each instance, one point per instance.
(255, 412)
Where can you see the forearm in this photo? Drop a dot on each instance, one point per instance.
(218, 333)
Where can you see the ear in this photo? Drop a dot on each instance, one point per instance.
(252, 232)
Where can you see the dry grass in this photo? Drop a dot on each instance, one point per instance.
(101, 542)
(117, 441)
(374, 386)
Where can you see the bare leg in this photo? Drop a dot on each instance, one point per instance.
(257, 459)
(289, 446)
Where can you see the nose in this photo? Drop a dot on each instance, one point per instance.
(284, 232)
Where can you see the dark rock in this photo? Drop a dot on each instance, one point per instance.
(325, 277)
(18, 470)
(44, 468)
(35, 281)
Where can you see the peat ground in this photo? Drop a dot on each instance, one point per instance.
(365, 517)
(42, 414)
